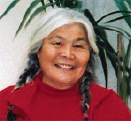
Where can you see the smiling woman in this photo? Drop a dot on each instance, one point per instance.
(58, 81)
(65, 62)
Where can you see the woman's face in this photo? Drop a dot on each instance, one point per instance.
(64, 55)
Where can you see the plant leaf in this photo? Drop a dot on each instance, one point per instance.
(111, 54)
(128, 54)
(58, 3)
(37, 11)
(88, 14)
(112, 13)
(51, 1)
(123, 7)
(42, 1)
(127, 65)
(9, 8)
(117, 29)
(79, 5)
(130, 80)
(118, 18)
(27, 13)
(70, 3)
(103, 59)
(112, 57)
(101, 33)
(128, 2)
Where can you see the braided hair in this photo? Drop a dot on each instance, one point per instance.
(29, 73)
(84, 86)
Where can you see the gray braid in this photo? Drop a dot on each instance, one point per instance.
(87, 78)
(11, 116)
(29, 72)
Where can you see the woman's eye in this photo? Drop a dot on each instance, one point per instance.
(57, 43)
(78, 46)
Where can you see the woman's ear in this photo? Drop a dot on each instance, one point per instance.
(38, 54)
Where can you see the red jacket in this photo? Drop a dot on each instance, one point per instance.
(105, 104)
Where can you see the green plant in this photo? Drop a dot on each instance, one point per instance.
(124, 82)
(106, 50)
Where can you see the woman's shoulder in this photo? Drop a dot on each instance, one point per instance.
(11, 91)
(98, 93)
(7, 90)
(108, 103)
(4, 94)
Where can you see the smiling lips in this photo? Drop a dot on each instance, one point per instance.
(64, 66)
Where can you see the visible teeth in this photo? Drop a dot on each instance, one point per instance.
(65, 66)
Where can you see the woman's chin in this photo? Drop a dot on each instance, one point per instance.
(63, 83)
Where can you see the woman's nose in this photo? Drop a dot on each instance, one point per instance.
(68, 53)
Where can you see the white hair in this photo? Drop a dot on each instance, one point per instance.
(55, 18)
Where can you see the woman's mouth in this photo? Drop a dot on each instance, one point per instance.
(64, 66)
